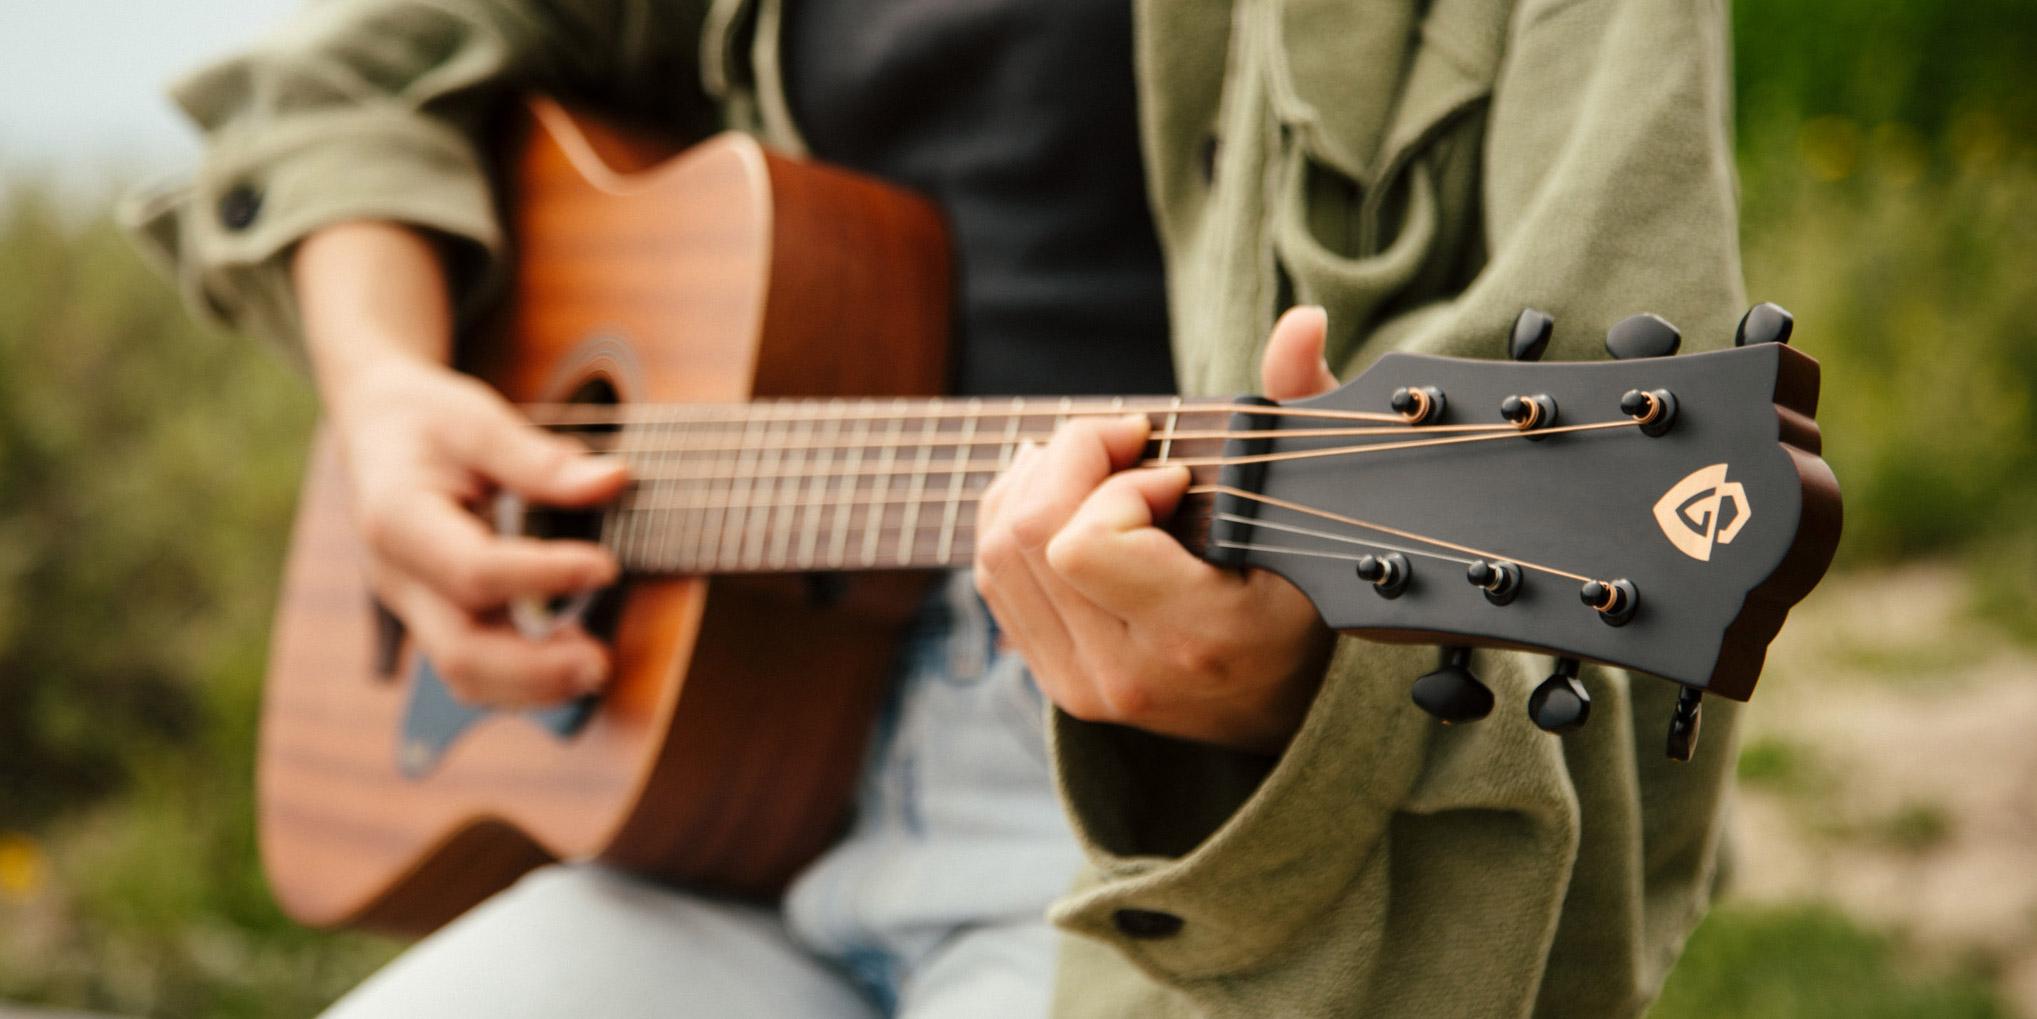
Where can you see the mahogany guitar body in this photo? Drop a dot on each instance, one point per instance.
(726, 751)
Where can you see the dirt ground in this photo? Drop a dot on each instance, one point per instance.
(1890, 766)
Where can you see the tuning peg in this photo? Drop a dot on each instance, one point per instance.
(1560, 704)
(1614, 600)
(1764, 323)
(1452, 693)
(1501, 580)
(1528, 413)
(1684, 723)
(1530, 336)
(1388, 574)
(1654, 409)
(1643, 335)
(1418, 405)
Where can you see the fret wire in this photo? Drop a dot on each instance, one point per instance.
(876, 520)
(963, 452)
(781, 532)
(810, 537)
(1009, 446)
(672, 531)
(1167, 438)
(918, 484)
(839, 538)
(749, 480)
(769, 543)
(696, 523)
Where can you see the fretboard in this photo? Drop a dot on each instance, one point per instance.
(826, 485)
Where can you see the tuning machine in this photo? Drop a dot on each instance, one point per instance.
(1418, 405)
(1684, 722)
(1643, 335)
(1654, 409)
(1500, 580)
(1452, 693)
(1388, 574)
(1613, 600)
(1560, 704)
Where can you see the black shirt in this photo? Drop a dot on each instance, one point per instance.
(1019, 118)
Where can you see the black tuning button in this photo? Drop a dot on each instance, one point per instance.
(1418, 405)
(1530, 335)
(1388, 574)
(1684, 724)
(1655, 409)
(1529, 413)
(1614, 600)
(1560, 704)
(1452, 693)
(1642, 335)
(1501, 581)
(1764, 323)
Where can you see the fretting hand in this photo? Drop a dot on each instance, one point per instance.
(1117, 621)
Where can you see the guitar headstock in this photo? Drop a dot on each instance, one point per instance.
(1657, 513)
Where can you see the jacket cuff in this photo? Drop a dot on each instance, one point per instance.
(1191, 897)
(225, 236)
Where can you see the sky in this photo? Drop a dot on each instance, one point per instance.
(81, 81)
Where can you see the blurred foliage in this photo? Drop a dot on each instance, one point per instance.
(1889, 178)
(1811, 963)
(148, 466)
(147, 475)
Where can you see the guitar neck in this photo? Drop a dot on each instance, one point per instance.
(846, 484)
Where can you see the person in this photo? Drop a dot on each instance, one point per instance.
(1262, 823)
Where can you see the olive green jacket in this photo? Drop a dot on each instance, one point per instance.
(1423, 169)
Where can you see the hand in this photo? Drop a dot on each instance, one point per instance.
(1117, 621)
(424, 446)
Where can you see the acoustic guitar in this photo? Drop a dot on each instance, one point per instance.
(761, 338)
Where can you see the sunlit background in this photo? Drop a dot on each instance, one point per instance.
(1885, 859)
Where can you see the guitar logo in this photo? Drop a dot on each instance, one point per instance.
(1702, 510)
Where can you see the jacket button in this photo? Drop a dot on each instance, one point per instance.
(239, 207)
(1146, 924)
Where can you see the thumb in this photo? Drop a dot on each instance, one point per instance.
(1293, 366)
(546, 468)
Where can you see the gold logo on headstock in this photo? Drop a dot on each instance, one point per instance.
(1702, 510)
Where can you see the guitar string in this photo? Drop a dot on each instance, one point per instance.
(1313, 533)
(901, 530)
(686, 447)
(1205, 461)
(598, 415)
(1382, 528)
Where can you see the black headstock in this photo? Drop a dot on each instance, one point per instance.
(1683, 498)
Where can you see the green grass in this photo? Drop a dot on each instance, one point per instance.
(1812, 963)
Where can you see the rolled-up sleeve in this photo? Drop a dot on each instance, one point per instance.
(382, 109)
(1385, 865)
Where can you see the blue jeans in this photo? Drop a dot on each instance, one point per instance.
(931, 906)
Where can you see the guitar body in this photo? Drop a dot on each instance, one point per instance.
(726, 751)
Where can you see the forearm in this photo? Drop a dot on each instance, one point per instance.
(371, 294)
